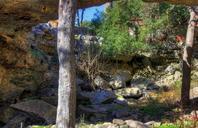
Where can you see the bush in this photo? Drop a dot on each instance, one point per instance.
(161, 23)
(114, 29)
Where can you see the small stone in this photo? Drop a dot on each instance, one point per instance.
(177, 75)
(194, 92)
(194, 113)
(170, 69)
(118, 121)
(124, 126)
(113, 126)
(135, 124)
(132, 92)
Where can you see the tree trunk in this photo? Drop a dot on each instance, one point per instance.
(67, 82)
(187, 55)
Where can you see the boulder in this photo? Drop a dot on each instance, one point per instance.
(99, 96)
(144, 84)
(120, 78)
(39, 108)
(100, 82)
(118, 121)
(125, 75)
(117, 83)
(132, 92)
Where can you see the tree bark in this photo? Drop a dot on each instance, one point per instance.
(187, 56)
(67, 82)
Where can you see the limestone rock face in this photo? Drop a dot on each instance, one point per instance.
(20, 70)
(8, 90)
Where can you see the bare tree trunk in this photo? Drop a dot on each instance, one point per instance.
(187, 55)
(78, 18)
(82, 16)
(67, 82)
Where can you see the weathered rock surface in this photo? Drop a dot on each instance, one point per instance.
(144, 84)
(132, 92)
(20, 70)
(39, 108)
(194, 93)
(100, 82)
(99, 96)
(135, 124)
(6, 114)
(119, 79)
(16, 122)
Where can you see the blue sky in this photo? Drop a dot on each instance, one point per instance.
(89, 12)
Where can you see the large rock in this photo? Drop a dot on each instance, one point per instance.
(120, 78)
(100, 82)
(39, 108)
(99, 96)
(125, 75)
(132, 92)
(144, 84)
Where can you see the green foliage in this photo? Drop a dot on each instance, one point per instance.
(154, 108)
(179, 124)
(115, 23)
(95, 23)
(50, 126)
(114, 29)
(169, 126)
